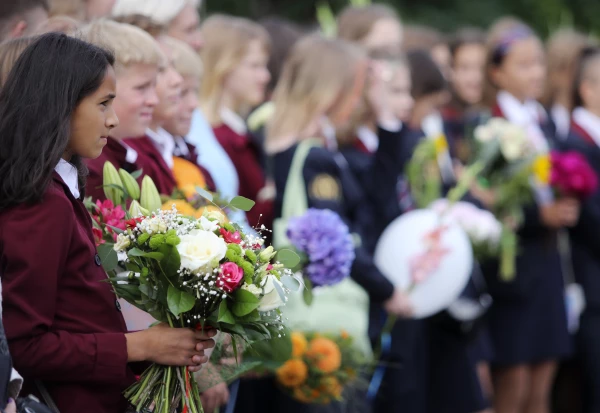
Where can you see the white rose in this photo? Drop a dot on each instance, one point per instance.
(199, 249)
(122, 243)
(483, 133)
(271, 299)
(208, 225)
(512, 150)
(253, 289)
(215, 215)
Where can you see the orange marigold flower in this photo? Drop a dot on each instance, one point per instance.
(303, 394)
(187, 176)
(325, 353)
(299, 344)
(332, 386)
(344, 335)
(183, 207)
(293, 373)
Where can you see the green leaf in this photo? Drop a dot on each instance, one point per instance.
(128, 292)
(244, 302)
(276, 349)
(204, 193)
(137, 174)
(307, 294)
(170, 262)
(242, 203)
(254, 316)
(119, 187)
(136, 252)
(288, 258)
(130, 266)
(179, 301)
(225, 315)
(291, 283)
(108, 256)
(115, 229)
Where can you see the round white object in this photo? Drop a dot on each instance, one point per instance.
(404, 242)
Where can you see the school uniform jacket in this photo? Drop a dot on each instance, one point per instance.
(62, 321)
(585, 237)
(157, 168)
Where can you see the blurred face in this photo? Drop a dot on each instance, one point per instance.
(168, 90)
(93, 120)
(590, 87)
(246, 84)
(400, 100)
(523, 71)
(386, 34)
(186, 27)
(441, 56)
(341, 112)
(137, 100)
(467, 73)
(96, 9)
(181, 123)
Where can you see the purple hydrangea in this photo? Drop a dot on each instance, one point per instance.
(325, 239)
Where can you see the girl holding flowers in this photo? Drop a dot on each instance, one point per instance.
(64, 328)
(528, 320)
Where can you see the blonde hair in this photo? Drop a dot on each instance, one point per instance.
(185, 59)
(318, 74)
(355, 23)
(145, 23)
(563, 50)
(131, 45)
(62, 24)
(10, 51)
(226, 43)
(70, 8)
(160, 11)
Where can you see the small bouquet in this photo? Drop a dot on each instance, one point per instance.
(325, 246)
(424, 170)
(504, 164)
(321, 367)
(483, 229)
(194, 272)
(571, 175)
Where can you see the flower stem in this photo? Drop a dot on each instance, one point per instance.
(464, 184)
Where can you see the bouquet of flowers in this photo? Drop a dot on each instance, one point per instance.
(105, 217)
(483, 229)
(325, 246)
(571, 175)
(423, 171)
(321, 367)
(194, 272)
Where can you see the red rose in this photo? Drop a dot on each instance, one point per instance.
(230, 277)
(230, 238)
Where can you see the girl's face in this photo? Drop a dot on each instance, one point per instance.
(342, 110)
(186, 27)
(181, 123)
(386, 34)
(246, 84)
(137, 100)
(168, 90)
(400, 100)
(523, 71)
(93, 119)
(467, 72)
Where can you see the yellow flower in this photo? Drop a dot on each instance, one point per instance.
(187, 176)
(541, 169)
(299, 344)
(293, 373)
(441, 144)
(331, 386)
(183, 207)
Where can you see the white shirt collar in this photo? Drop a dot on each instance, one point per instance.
(368, 138)
(588, 121)
(234, 121)
(163, 141)
(433, 125)
(69, 175)
(131, 155)
(562, 120)
(527, 115)
(181, 146)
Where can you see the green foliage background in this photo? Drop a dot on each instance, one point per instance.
(446, 15)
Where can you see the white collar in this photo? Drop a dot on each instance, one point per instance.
(234, 121)
(527, 115)
(164, 142)
(368, 138)
(69, 175)
(562, 120)
(181, 146)
(588, 121)
(131, 155)
(433, 125)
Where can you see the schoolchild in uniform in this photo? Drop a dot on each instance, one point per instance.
(563, 49)
(66, 333)
(138, 62)
(584, 137)
(528, 319)
(235, 56)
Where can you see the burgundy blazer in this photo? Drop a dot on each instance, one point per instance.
(62, 322)
(245, 157)
(153, 164)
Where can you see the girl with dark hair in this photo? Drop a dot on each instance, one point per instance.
(62, 321)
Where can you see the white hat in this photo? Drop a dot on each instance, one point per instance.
(160, 11)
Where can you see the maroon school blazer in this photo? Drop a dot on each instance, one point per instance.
(62, 322)
(153, 164)
(244, 156)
